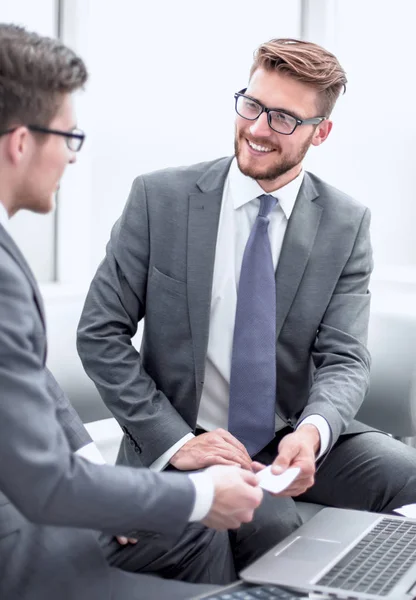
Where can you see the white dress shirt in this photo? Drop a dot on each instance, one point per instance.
(239, 209)
(4, 217)
(204, 486)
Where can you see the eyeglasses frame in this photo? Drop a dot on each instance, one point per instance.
(76, 134)
(264, 109)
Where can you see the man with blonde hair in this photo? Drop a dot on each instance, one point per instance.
(252, 276)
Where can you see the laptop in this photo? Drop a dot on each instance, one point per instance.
(343, 553)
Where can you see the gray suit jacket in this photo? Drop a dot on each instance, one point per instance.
(159, 265)
(49, 497)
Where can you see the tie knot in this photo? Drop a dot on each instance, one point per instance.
(267, 203)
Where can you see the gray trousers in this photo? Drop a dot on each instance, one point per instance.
(49, 563)
(200, 556)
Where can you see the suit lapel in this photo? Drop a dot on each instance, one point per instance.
(296, 249)
(204, 212)
(7, 242)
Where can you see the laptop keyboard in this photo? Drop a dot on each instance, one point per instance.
(265, 592)
(378, 561)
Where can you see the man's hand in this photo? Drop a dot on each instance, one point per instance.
(298, 449)
(236, 496)
(122, 540)
(216, 447)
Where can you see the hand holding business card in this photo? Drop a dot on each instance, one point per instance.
(277, 483)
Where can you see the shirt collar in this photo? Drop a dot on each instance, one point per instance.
(4, 217)
(244, 189)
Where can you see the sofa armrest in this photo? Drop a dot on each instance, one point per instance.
(390, 404)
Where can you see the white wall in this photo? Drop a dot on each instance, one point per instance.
(163, 75)
(153, 63)
(371, 151)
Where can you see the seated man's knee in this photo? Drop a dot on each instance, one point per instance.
(274, 520)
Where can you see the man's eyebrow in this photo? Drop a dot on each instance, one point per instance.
(285, 110)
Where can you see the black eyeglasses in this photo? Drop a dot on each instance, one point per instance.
(278, 120)
(74, 139)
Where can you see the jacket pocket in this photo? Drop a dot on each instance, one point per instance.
(160, 280)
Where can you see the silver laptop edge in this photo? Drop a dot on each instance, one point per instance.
(302, 558)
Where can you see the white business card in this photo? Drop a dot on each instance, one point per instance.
(277, 483)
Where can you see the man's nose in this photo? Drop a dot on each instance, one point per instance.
(72, 158)
(260, 127)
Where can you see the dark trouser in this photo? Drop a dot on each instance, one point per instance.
(368, 471)
(200, 555)
(49, 563)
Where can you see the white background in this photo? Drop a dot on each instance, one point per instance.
(162, 78)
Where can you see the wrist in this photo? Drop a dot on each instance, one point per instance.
(312, 434)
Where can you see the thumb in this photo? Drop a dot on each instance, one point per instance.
(287, 453)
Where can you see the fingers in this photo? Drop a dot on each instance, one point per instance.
(249, 477)
(298, 487)
(226, 435)
(284, 460)
(232, 453)
(227, 441)
(122, 540)
(214, 459)
(236, 497)
(258, 496)
(256, 467)
(208, 449)
(220, 443)
(288, 451)
(304, 480)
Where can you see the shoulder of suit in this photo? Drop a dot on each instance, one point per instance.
(183, 176)
(329, 196)
(11, 272)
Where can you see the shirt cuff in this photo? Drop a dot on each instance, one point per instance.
(160, 463)
(91, 453)
(322, 426)
(204, 495)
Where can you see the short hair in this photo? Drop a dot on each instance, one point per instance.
(305, 62)
(35, 73)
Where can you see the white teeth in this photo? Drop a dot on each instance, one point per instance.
(258, 148)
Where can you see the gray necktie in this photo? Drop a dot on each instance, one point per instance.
(251, 415)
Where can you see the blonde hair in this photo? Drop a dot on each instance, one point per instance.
(305, 62)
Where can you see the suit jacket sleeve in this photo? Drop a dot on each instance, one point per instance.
(340, 354)
(114, 305)
(39, 472)
(74, 430)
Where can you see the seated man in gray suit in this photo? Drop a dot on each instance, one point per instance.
(252, 276)
(53, 502)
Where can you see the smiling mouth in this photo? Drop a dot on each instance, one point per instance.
(258, 147)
